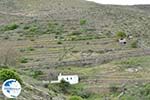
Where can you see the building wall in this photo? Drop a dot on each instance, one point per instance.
(72, 79)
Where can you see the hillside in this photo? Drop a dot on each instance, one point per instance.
(145, 8)
(41, 38)
(105, 19)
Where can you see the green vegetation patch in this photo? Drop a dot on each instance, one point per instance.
(35, 74)
(75, 98)
(9, 27)
(63, 87)
(24, 60)
(9, 74)
(121, 34)
(83, 21)
(137, 92)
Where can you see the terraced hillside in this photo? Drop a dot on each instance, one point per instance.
(145, 8)
(41, 38)
(104, 19)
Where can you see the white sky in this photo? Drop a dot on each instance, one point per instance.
(122, 2)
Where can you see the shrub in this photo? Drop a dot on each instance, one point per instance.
(145, 90)
(113, 89)
(83, 22)
(36, 73)
(33, 30)
(9, 74)
(26, 27)
(121, 34)
(75, 98)
(76, 33)
(63, 87)
(85, 94)
(134, 44)
(59, 42)
(6, 37)
(22, 50)
(11, 27)
(24, 60)
(30, 49)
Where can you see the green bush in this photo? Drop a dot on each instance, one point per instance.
(63, 87)
(114, 89)
(33, 30)
(83, 21)
(11, 27)
(75, 98)
(30, 49)
(9, 74)
(59, 42)
(85, 94)
(6, 37)
(36, 73)
(24, 60)
(26, 27)
(145, 90)
(121, 34)
(137, 92)
(134, 44)
(76, 33)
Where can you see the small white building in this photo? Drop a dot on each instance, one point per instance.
(122, 41)
(72, 79)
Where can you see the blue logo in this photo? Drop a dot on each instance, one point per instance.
(11, 88)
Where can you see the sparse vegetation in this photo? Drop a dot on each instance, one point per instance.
(55, 28)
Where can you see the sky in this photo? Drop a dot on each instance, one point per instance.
(122, 2)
